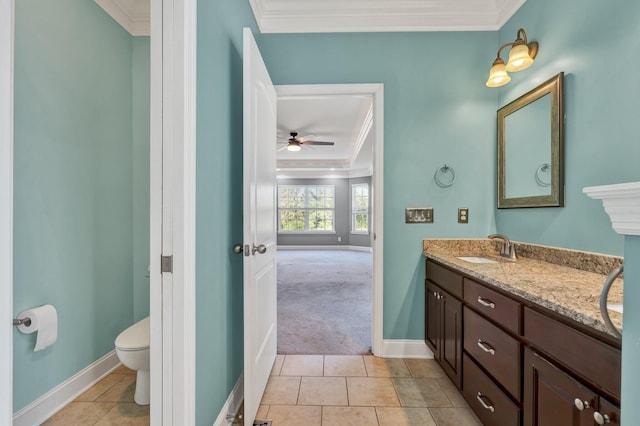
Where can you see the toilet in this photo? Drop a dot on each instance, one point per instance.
(132, 347)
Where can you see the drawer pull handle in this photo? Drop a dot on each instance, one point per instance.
(601, 418)
(486, 302)
(580, 404)
(486, 347)
(480, 397)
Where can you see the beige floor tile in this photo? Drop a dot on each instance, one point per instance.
(454, 417)
(385, 367)
(101, 387)
(420, 392)
(277, 365)
(371, 391)
(424, 368)
(403, 416)
(295, 415)
(121, 369)
(323, 391)
(122, 391)
(126, 414)
(344, 366)
(281, 390)
(456, 398)
(302, 365)
(80, 414)
(349, 416)
(263, 412)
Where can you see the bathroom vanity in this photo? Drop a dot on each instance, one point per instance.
(524, 340)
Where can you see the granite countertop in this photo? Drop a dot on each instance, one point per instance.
(566, 281)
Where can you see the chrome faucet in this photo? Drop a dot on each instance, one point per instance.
(507, 249)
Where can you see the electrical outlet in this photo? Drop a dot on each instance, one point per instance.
(418, 215)
(463, 215)
(339, 239)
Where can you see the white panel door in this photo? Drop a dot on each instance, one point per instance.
(259, 226)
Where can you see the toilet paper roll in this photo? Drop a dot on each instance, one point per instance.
(44, 320)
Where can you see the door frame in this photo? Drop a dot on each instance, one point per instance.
(172, 204)
(172, 148)
(6, 209)
(376, 90)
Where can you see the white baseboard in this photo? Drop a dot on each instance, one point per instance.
(351, 248)
(233, 403)
(54, 400)
(396, 348)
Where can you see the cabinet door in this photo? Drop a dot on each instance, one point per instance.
(451, 343)
(609, 413)
(432, 321)
(550, 396)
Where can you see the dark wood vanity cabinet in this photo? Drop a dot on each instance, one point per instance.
(553, 397)
(443, 321)
(515, 362)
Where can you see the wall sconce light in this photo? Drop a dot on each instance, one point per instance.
(521, 56)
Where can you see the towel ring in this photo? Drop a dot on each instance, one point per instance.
(442, 171)
(542, 169)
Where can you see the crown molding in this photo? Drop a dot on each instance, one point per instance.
(296, 16)
(132, 15)
(622, 204)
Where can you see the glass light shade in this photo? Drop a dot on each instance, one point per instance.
(293, 147)
(519, 58)
(498, 75)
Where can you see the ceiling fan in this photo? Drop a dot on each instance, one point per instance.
(294, 143)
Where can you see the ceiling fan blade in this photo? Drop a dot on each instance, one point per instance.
(282, 149)
(317, 143)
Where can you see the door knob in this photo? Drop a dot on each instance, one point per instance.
(238, 248)
(262, 249)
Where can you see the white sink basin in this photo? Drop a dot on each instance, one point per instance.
(617, 307)
(476, 259)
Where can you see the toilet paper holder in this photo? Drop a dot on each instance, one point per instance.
(25, 321)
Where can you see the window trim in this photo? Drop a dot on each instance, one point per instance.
(306, 230)
(355, 212)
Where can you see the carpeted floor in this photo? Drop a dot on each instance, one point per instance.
(324, 302)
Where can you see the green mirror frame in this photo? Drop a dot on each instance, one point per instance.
(555, 87)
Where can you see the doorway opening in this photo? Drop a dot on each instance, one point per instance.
(329, 264)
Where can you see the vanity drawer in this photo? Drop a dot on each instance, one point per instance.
(493, 305)
(497, 352)
(596, 361)
(445, 278)
(491, 405)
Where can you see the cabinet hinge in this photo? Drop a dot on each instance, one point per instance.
(166, 264)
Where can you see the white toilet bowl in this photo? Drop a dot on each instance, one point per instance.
(132, 347)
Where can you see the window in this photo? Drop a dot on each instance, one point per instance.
(360, 208)
(306, 208)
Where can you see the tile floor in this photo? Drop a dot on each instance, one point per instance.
(108, 402)
(309, 390)
(340, 390)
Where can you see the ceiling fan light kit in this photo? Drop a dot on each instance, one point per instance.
(294, 143)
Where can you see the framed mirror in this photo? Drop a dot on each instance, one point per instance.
(531, 148)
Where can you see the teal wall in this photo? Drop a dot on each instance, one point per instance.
(437, 110)
(140, 160)
(73, 189)
(631, 332)
(219, 335)
(592, 44)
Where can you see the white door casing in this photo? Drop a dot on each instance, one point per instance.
(259, 225)
(172, 203)
(6, 210)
